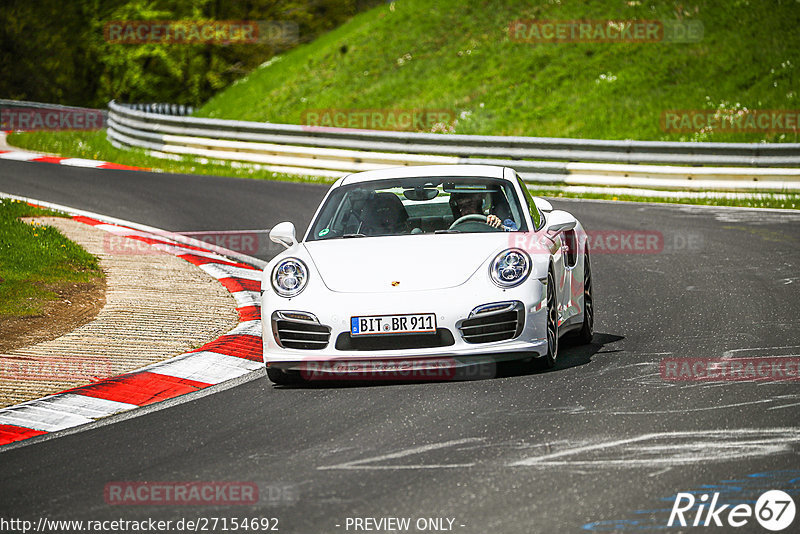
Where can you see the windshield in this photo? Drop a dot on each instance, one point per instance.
(420, 205)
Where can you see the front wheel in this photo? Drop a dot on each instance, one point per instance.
(284, 378)
(548, 361)
(587, 329)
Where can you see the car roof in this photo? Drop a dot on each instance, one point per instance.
(488, 171)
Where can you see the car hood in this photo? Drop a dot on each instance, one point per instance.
(415, 262)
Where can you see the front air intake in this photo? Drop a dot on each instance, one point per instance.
(494, 322)
(299, 330)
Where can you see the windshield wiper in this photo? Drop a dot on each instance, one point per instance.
(345, 236)
(447, 232)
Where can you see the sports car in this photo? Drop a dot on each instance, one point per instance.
(425, 268)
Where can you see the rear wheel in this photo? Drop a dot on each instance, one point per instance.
(587, 329)
(548, 361)
(284, 378)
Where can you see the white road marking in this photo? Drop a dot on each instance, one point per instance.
(684, 410)
(702, 446)
(660, 472)
(784, 406)
(359, 464)
(794, 350)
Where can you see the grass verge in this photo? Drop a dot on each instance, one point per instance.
(36, 261)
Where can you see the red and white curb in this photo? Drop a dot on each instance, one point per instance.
(22, 155)
(228, 357)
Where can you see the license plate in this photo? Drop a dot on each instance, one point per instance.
(411, 323)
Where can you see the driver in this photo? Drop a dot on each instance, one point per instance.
(472, 203)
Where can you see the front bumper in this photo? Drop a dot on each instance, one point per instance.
(451, 306)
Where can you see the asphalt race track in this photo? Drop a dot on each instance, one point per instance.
(602, 442)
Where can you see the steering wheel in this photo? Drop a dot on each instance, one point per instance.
(470, 217)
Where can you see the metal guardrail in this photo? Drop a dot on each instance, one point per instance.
(26, 104)
(6, 104)
(336, 151)
(179, 110)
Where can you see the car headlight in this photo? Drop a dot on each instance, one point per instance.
(289, 277)
(510, 268)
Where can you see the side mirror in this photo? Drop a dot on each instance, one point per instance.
(560, 221)
(283, 233)
(542, 204)
(560, 227)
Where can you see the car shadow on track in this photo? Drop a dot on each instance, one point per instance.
(570, 355)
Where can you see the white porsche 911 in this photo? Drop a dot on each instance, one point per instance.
(424, 268)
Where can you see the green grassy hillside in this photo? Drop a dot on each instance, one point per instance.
(457, 55)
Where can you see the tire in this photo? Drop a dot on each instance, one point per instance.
(587, 329)
(284, 378)
(548, 361)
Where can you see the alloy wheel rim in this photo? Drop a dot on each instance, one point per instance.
(588, 304)
(552, 316)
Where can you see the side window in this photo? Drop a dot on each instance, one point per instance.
(536, 215)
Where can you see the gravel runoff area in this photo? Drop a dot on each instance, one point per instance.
(157, 306)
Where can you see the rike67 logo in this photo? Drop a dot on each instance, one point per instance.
(774, 510)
